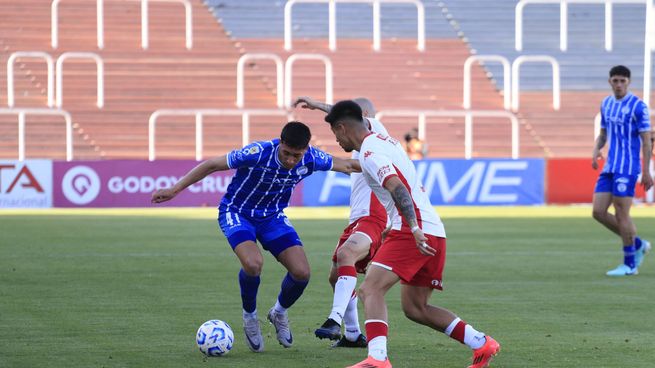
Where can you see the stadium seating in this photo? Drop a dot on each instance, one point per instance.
(167, 75)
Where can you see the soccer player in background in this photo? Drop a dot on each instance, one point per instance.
(253, 209)
(625, 123)
(414, 251)
(357, 244)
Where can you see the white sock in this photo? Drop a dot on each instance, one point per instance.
(343, 290)
(473, 338)
(278, 308)
(351, 320)
(247, 315)
(377, 348)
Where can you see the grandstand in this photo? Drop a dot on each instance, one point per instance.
(168, 75)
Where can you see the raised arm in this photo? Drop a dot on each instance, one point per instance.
(345, 166)
(405, 204)
(600, 143)
(311, 104)
(646, 152)
(196, 174)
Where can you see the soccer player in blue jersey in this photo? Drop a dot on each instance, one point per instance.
(252, 209)
(625, 124)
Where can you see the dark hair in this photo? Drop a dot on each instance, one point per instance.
(620, 70)
(347, 109)
(296, 135)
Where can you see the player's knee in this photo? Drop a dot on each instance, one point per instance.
(414, 312)
(301, 274)
(598, 215)
(253, 267)
(346, 256)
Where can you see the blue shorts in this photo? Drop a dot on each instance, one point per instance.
(275, 232)
(620, 185)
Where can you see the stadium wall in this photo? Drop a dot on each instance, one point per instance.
(129, 183)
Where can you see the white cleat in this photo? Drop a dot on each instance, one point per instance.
(253, 332)
(622, 270)
(641, 253)
(281, 323)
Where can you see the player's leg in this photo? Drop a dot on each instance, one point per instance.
(379, 279)
(241, 237)
(626, 228)
(416, 307)
(355, 248)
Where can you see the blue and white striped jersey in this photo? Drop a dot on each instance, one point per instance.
(262, 186)
(624, 120)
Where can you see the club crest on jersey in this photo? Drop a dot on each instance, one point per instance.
(302, 170)
(625, 110)
(383, 171)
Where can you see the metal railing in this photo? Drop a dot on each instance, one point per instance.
(199, 114)
(54, 23)
(516, 67)
(468, 124)
(332, 21)
(188, 22)
(288, 76)
(279, 69)
(10, 74)
(100, 75)
(22, 112)
(467, 77)
(100, 16)
(649, 40)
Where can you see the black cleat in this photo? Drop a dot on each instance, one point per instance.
(329, 330)
(345, 343)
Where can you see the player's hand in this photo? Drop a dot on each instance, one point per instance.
(163, 195)
(646, 180)
(597, 155)
(307, 103)
(422, 243)
(385, 232)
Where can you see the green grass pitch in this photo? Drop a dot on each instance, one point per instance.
(129, 288)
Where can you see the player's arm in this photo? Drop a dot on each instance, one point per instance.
(311, 104)
(345, 166)
(196, 174)
(405, 204)
(598, 146)
(646, 152)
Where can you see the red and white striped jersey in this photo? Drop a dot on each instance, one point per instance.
(383, 157)
(362, 201)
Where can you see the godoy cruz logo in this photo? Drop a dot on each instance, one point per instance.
(81, 185)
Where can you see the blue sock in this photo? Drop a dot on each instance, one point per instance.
(637, 243)
(290, 291)
(249, 286)
(629, 255)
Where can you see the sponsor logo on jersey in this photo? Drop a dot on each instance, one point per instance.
(383, 171)
(436, 283)
(367, 153)
(251, 151)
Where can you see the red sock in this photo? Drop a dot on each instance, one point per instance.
(347, 271)
(375, 328)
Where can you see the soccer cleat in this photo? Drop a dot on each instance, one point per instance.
(622, 270)
(253, 333)
(482, 356)
(281, 323)
(330, 329)
(345, 343)
(639, 256)
(370, 362)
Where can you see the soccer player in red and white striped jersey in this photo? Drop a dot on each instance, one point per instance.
(413, 253)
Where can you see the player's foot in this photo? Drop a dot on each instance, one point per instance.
(281, 323)
(622, 270)
(639, 256)
(345, 343)
(330, 329)
(482, 356)
(253, 332)
(370, 362)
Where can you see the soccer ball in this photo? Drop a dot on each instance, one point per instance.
(215, 338)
